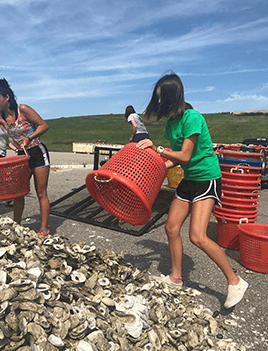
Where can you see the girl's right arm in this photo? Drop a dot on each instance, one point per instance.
(177, 157)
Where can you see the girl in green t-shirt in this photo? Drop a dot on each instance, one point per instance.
(197, 193)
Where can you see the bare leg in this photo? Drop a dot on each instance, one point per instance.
(18, 208)
(178, 212)
(40, 181)
(200, 216)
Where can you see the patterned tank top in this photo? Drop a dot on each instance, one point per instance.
(22, 129)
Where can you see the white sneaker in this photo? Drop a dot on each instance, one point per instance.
(235, 293)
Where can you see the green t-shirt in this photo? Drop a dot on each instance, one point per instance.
(204, 164)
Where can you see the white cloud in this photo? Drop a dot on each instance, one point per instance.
(64, 49)
(245, 97)
(201, 90)
(235, 102)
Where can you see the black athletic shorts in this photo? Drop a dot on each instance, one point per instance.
(192, 191)
(39, 156)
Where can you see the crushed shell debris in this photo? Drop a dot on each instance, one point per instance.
(60, 296)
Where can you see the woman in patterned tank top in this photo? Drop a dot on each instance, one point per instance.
(25, 126)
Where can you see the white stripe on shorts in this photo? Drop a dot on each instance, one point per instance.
(46, 161)
(203, 196)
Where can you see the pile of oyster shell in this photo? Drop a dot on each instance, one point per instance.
(56, 295)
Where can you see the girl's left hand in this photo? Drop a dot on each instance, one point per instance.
(145, 143)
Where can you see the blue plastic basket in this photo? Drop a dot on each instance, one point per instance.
(235, 162)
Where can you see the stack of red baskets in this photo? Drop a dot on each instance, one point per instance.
(241, 178)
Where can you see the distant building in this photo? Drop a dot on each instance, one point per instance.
(250, 113)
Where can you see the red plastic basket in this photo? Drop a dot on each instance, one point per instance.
(242, 195)
(15, 176)
(221, 211)
(236, 201)
(246, 168)
(228, 232)
(127, 185)
(240, 176)
(240, 182)
(240, 155)
(234, 147)
(254, 246)
(238, 206)
(239, 187)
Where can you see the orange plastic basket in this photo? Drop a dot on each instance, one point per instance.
(14, 176)
(253, 239)
(127, 185)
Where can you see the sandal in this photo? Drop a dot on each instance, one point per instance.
(44, 232)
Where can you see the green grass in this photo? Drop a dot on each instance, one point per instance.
(224, 128)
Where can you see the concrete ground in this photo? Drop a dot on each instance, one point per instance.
(150, 252)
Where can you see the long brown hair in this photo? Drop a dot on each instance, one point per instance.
(171, 103)
(6, 90)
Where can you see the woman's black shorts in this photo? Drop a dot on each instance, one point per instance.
(39, 156)
(192, 191)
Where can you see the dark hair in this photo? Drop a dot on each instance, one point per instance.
(6, 90)
(129, 111)
(171, 103)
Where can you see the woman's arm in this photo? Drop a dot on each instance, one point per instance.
(12, 147)
(177, 157)
(2, 122)
(183, 156)
(134, 129)
(28, 113)
(170, 164)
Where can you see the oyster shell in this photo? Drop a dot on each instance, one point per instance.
(56, 295)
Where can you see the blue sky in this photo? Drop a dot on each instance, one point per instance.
(70, 58)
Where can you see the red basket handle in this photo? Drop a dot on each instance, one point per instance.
(102, 180)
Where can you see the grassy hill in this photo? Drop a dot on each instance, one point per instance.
(224, 128)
